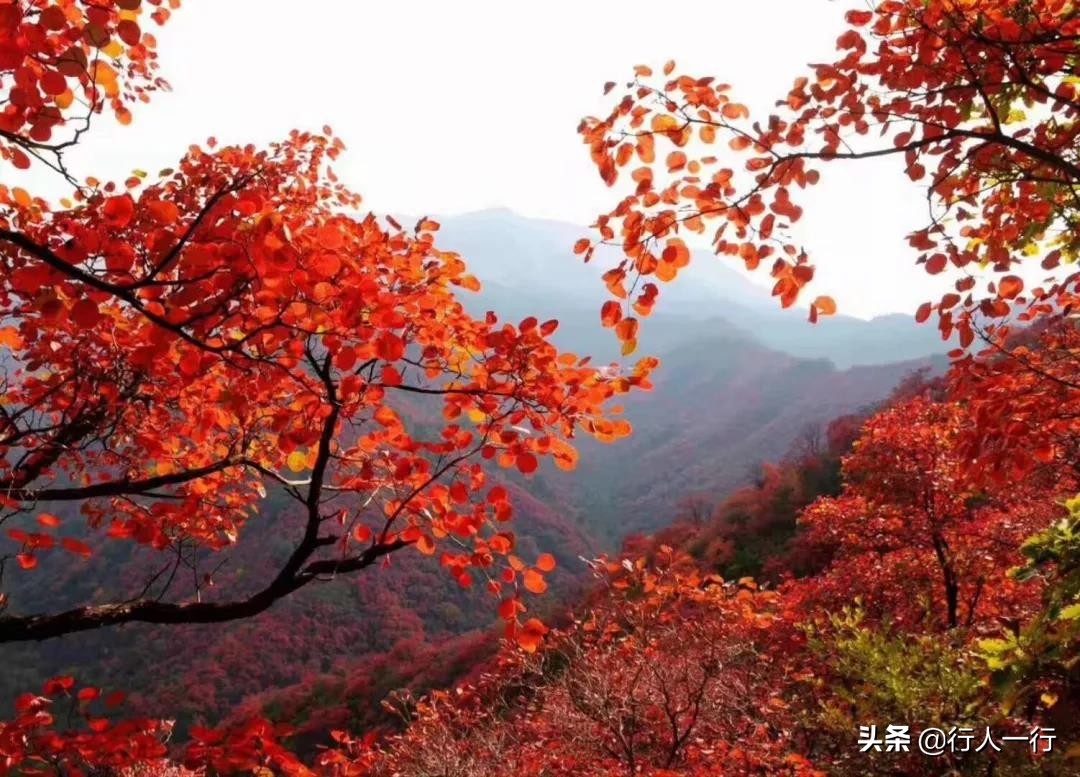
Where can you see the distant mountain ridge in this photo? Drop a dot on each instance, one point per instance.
(527, 267)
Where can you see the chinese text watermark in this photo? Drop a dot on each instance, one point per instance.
(938, 741)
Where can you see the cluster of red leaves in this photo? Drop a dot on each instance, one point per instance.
(32, 744)
(916, 541)
(61, 61)
(1022, 394)
(178, 346)
(975, 96)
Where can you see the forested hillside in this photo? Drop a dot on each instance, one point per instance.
(702, 411)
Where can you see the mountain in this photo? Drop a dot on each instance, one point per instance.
(527, 267)
(722, 405)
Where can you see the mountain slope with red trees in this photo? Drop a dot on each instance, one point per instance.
(700, 431)
(895, 583)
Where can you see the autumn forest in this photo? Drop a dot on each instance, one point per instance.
(291, 487)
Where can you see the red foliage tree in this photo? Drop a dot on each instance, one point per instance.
(176, 349)
(916, 537)
(976, 97)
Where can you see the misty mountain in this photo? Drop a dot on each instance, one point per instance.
(527, 267)
(739, 380)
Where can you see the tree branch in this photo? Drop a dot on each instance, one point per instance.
(34, 628)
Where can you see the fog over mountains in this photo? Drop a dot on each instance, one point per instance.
(527, 267)
(739, 380)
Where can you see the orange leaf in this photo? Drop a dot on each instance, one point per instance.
(534, 582)
(1010, 286)
(676, 160)
(426, 545)
(325, 264)
(163, 212)
(531, 634)
(676, 253)
(9, 336)
(664, 122)
(330, 237)
(626, 329)
(826, 305)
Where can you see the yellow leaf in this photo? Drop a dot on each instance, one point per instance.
(477, 416)
(297, 461)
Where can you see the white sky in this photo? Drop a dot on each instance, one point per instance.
(448, 107)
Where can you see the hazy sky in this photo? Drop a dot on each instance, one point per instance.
(448, 107)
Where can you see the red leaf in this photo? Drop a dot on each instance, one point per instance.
(77, 547)
(610, 313)
(935, 264)
(330, 237)
(527, 463)
(389, 347)
(163, 212)
(48, 519)
(508, 609)
(85, 313)
(118, 211)
(20, 160)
